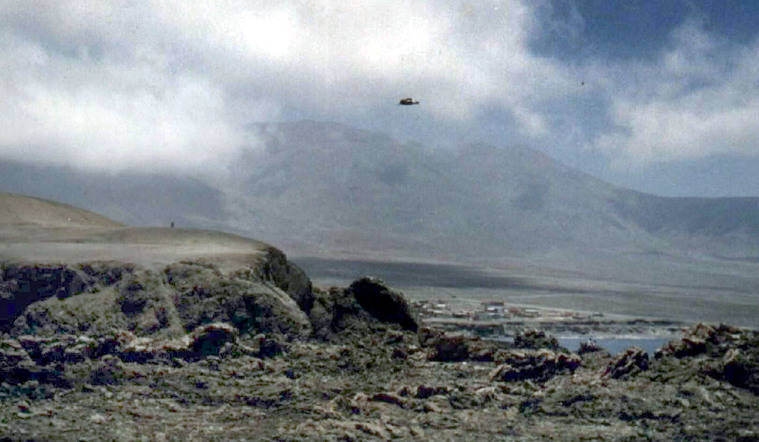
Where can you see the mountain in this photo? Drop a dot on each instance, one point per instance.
(317, 188)
(339, 188)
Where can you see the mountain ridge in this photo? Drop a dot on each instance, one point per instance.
(326, 187)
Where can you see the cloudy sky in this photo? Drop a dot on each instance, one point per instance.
(657, 96)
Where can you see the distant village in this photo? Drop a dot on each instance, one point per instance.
(492, 318)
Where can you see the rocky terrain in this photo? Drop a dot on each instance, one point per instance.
(215, 337)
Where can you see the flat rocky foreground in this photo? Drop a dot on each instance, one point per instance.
(367, 370)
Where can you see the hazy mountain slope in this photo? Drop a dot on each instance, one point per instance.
(20, 211)
(342, 188)
(324, 187)
(132, 198)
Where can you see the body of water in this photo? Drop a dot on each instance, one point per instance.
(615, 345)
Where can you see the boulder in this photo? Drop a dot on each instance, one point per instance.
(204, 295)
(383, 303)
(633, 361)
(288, 277)
(363, 308)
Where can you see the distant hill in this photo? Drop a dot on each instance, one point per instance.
(327, 188)
(19, 210)
(132, 198)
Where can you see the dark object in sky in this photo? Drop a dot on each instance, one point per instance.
(407, 101)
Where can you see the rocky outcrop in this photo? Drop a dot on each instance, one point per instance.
(355, 310)
(633, 361)
(288, 277)
(93, 297)
(383, 303)
(538, 365)
(453, 347)
(536, 339)
(203, 294)
(24, 284)
(43, 358)
(722, 352)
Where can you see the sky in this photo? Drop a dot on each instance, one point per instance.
(661, 97)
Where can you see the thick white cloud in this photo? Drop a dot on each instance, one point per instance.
(699, 98)
(162, 84)
(171, 85)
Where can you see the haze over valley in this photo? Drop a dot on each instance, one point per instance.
(326, 191)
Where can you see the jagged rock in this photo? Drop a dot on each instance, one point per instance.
(703, 339)
(483, 351)
(633, 361)
(428, 336)
(687, 346)
(106, 273)
(288, 277)
(539, 365)
(536, 339)
(13, 354)
(24, 284)
(17, 366)
(383, 303)
(114, 342)
(455, 347)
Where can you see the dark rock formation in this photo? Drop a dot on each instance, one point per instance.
(633, 361)
(204, 295)
(450, 348)
(457, 347)
(539, 365)
(288, 277)
(24, 284)
(47, 299)
(358, 308)
(536, 339)
(383, 303)
(209, 339)
(723, 352)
